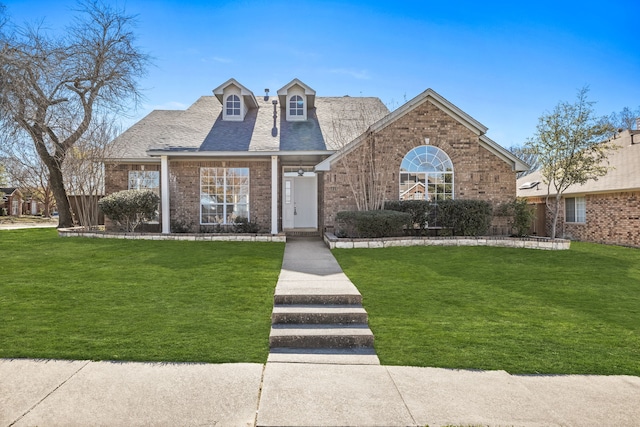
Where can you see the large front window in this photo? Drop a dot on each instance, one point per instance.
(426, 173)
(224, 195)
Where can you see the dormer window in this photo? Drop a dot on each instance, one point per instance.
(233, 105)
(296, 99)
(296, 106)
(236, 100)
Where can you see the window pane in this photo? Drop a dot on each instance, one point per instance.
(570, 209)
(580, 209)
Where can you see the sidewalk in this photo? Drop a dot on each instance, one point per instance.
(80, 393)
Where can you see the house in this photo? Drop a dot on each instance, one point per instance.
(289, 162)
(11, 201)
(606, 210)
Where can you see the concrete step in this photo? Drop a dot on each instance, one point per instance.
(318, 314)
(320, 336)
(317, 299)
(336, 356)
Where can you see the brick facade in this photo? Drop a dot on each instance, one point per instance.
(611, 218)
(478, 173)
(184, 191)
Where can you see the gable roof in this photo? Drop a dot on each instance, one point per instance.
(200, 130)
(310, 93)
(249, 97)
(9, 191)
(456, 113)
(624, 174)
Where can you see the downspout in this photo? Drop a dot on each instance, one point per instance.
(164, 194)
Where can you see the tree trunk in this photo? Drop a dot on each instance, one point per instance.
(65, 219)
(556, 211)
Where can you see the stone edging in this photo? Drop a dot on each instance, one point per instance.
(334, 242)
(202, 237)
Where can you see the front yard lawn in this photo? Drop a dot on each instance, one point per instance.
(521, 310)
(104, 299)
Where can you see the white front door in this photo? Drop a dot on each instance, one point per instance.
(300, 202)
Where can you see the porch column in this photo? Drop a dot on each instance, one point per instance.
(274, 194)
(164, 196)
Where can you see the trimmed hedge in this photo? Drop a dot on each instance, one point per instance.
(419, 210)
(465, 217)
(460, 217)
(130, 208)
(367, 224)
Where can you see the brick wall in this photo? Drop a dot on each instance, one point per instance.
(184, 189)
(184, 183)
(478, 174)
(612, 218)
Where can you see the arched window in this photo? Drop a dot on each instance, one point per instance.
(426, 172)
(233, 105)
(296, 106)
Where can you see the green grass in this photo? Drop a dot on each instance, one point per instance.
(103, 299)
(524, 311)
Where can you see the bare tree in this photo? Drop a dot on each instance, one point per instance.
(568, 143)
(25, 170)
(626, 119)
(526, 156)
(364, 166)
(54, 87)
(84, 170)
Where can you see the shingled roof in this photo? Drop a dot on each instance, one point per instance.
(331, 123)
(623, 175)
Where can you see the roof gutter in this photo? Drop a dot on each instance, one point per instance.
(170, 153)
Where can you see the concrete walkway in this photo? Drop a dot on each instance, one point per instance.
(80, 393)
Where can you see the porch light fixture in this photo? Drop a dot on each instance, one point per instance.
(300, 172)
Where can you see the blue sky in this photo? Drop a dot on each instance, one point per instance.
(504, 63)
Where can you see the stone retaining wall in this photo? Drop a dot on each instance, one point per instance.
(224, 237)
(509, 242)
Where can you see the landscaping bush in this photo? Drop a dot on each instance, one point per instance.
(243, 225)
(366, 224)
(465, 217)
(130, 208)
(520, 215)
(178, 226)
(418, 209)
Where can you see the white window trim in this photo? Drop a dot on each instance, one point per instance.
(579, 210)
(233, 117)
(291, 117)
(426, 174)
(225, 216)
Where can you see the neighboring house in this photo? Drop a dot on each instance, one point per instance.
(11, 200)
(283, 161)
(606, 210)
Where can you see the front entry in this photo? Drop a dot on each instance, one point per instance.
(300, 201)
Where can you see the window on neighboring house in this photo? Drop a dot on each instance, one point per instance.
(575, 209)
(426, 167)
(233, 105)
(296, 106)
(224, 195)
(146, 180)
